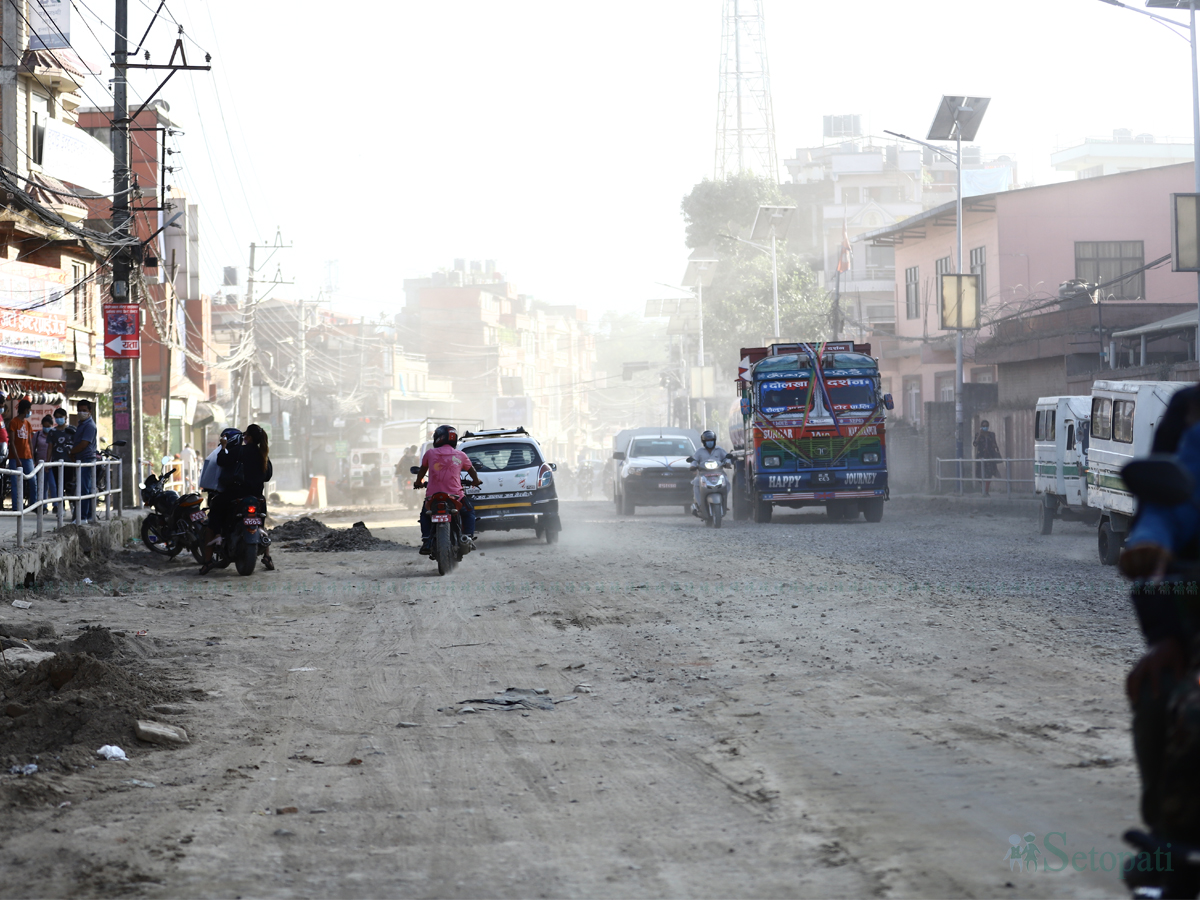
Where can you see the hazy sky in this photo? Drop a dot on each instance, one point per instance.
(559, 137)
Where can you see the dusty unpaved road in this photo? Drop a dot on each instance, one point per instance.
(805, 708)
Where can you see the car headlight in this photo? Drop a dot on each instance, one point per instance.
(634, 470)
(771, 462)
(870, 458)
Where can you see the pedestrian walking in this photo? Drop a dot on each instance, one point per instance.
(84, 451)
(42, 448)
(21, 430)
(188, 459)
(62, 439)
(986, 451)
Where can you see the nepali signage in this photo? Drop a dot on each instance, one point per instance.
(33, 322)
(122, 327)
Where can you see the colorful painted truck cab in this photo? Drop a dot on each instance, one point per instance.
(809, 431)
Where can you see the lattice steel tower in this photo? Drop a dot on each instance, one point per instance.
(745, 121)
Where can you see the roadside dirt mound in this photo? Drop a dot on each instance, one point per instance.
(356, 537)
(66, 707)
(303, 529)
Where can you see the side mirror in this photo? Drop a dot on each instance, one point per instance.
(888, 402)
(690, 459)
(414, 470)
(119, 443)
(619, 455)
(1158, 479)
(553, 467)
(745, 407)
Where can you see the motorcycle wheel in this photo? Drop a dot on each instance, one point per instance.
(718, 513)
(246, 559)
(445, 555)
(157, 538)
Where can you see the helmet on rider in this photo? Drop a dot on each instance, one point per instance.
(708, 440)
(445, 434)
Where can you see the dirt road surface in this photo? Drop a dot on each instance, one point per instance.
(802, 709)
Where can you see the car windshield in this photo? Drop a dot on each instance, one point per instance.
(851, 394)
(661, 446)
(502, 457)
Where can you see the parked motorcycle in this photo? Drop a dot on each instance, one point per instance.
(174, 523)
(243, 538)
(447, 545)
(714, 490)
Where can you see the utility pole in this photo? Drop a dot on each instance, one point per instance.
(242, 409)
(126, 400)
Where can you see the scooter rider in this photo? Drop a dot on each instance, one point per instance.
(442, 463)
(708, 451)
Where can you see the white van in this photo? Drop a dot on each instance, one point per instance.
(1060, 445)
(1124, 417)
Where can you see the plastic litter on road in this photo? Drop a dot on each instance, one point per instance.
(112, 751)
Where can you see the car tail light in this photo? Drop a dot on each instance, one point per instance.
(545, 476)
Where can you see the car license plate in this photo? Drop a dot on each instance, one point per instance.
(665, 485)
(441, 517)
(198, 517)
(250, 520)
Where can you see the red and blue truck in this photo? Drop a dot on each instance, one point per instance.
(808, 430)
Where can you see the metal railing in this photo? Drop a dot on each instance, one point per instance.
(112, 486)
(969, 473)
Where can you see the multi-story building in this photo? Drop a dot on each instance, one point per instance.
(512, 359)
(1123, 152)
(854, 184)
(50, 261)
(1023, 244)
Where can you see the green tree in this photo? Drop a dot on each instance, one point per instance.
(738, 306)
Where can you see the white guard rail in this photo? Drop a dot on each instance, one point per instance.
(106, 470)
(969, 470)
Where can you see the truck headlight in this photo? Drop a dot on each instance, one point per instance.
(870, 458)
(771, 462)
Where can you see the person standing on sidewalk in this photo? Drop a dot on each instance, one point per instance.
(986, 451)
(84, 451)
(41, 453)
(62, 439)
(187, 460)
(22, 447)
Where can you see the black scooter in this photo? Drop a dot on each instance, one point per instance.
(243, 538)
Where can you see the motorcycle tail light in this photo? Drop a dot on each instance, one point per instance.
(251, 509)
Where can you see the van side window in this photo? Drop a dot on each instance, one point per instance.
(1043, 425)
(1122, 421)
(1102, 418)
(1037, 425)
(1070, 436)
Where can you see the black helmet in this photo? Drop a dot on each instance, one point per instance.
(445, 434)
(708, 440)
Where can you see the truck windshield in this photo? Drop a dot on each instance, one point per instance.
(783, 396)
(502, 457)
(661, 446)
(851, 394)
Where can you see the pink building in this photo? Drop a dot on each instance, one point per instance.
(1024, 243)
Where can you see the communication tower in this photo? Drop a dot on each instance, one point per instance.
(745, 121)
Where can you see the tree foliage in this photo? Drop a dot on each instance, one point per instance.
(738, 306)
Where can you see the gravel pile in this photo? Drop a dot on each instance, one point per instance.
(303, 529)
(356, 537)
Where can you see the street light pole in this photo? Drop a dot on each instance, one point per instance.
(700, 351)
(775, 282)
(958, 335)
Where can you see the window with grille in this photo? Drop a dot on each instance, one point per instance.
(912, 292)
(979, 267)
(1098, 262)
